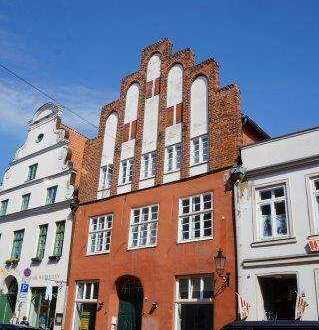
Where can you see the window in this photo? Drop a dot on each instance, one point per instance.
(25, 201)
(4, 207)
(17, 244)
(106, 178)
(149, 165)
(32, 172)
(194, 308)
(173, 157)
(200, 152)
(40, 137)
(51, 195)
(43, 231)
(272, 212)
(126, 171)
(86, 305)
(100, 234)
(143, 231)
(59, 238)
(195, 217)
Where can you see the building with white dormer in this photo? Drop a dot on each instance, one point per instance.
(36, 200)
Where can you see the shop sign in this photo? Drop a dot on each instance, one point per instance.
(313, 245)
(84, 321)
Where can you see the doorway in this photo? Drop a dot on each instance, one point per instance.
(130, 294)
(8, 301)
(279, 295)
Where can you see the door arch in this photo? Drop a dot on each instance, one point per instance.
(9, 299)
(130, 293)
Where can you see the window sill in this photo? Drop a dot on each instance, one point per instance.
(141, 247)
(92, 254)
(274, 241)
(124, 184)
(149, 177)
(172, 171)
(198, 164)
(196, 240)
(313, 236)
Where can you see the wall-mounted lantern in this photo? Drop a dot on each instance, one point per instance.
(220, 265)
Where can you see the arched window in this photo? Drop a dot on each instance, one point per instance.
(153, 68)
(175, 85)
(131, 103)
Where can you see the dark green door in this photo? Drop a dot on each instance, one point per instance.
(5, 309)
(130, 292)
(127, 316)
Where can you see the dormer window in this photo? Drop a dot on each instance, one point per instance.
(32, 172)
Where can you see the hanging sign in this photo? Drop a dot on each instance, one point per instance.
(27, 272)
(313, 245)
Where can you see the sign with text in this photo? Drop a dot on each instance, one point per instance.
(24, 291)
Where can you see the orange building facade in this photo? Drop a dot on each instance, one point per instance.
(155, 201)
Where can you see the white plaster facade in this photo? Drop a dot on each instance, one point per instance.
(291, 161)
(51, 154)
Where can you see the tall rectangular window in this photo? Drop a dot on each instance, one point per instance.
(200, 149)
(25, 201)
(59, 238)
(143, 231)
(126, 171)
(271, 211)
(316, 190)
(100, 233)
(149, 165)
(4, 207)
(107, 173)
(173, 157)
(51, 195)
(194, 302)
(17, 244)
(32, 172)
(196, 217)
(43, 232)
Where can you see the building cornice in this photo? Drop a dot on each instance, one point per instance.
(36, 211)
(36, 181)
(281, 261)
(39, 152)
(297, 163)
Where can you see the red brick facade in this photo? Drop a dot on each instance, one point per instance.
(158, 267)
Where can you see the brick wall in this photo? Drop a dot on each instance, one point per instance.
(225, 125)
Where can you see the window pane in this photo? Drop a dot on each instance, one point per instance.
(266, 194)
(88, 290)
(205, 148)
(195, 288)
(317, 185)
(80, 290)
(196, 203)
(183, 288)
(266, 220)
(279, 192)
(208, 287)
(185, 206)
(207, 201)
(280, 208)
(95, 290)
(196, 226)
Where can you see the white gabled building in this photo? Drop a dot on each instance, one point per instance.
(36, 201)
(277, 224)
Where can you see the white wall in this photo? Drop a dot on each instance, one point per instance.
(131, 103)
(175, 86)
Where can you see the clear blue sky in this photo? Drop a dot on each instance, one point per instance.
(79, 51)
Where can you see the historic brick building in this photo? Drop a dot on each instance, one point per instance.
(155, 204)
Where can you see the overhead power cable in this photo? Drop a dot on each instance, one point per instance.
(45, 94)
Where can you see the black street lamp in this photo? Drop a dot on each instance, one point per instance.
(220, 264)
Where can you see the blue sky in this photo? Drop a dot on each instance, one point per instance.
(78, 51)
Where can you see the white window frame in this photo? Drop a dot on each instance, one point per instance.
(148, 168)
(191, 301)
(106, 176)
(126, 177)
(84, 300)
(200, 154)
(106, 233)
(192, 214)
(139, 226)
(258, 216)
(173, 157)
